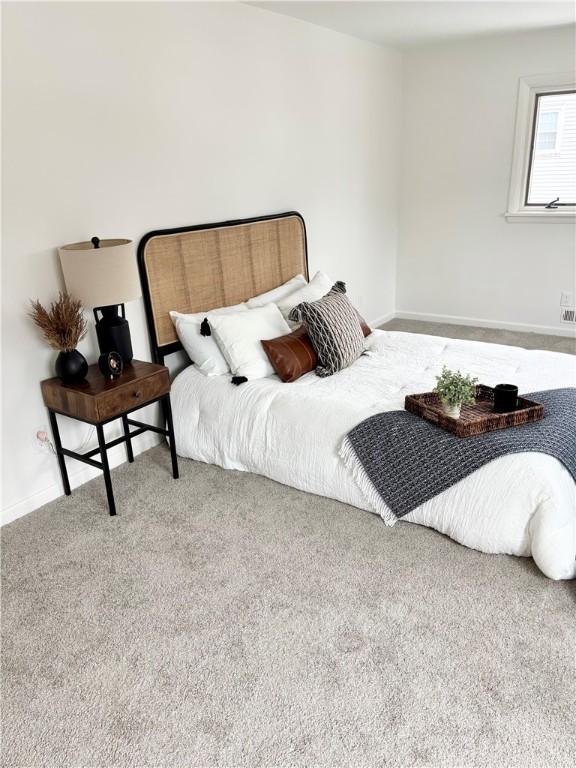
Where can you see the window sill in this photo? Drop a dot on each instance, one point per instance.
(541, 217)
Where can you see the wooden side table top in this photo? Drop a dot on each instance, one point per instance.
(98, 399)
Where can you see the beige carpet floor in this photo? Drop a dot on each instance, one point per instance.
(492, 335)
(225, 620)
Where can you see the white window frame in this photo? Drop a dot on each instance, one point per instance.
(528, 89)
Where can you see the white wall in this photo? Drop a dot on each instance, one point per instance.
(122, 118)
(458, 255)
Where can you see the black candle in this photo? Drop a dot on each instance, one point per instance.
(505, 398)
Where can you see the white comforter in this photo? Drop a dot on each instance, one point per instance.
(522, 504)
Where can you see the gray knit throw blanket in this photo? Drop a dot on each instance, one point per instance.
(399, 461)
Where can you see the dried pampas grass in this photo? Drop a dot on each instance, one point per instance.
(63, 325)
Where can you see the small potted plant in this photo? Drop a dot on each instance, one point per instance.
(63, 326)
(455, 390)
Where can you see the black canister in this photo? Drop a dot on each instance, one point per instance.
(505, 398)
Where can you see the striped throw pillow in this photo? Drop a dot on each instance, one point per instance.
(334, 329)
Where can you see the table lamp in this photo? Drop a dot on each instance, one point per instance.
(102, 275)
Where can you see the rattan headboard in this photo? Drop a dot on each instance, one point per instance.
(194, 269)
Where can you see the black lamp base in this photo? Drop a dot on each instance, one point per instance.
(113, 332)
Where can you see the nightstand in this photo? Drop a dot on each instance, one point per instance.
(98, 401)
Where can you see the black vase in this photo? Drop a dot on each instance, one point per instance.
(71, 367)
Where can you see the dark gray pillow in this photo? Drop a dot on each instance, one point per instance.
(334, 330)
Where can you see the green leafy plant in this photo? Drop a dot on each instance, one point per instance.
(455, 389)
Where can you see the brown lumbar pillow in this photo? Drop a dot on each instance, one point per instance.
(292, 355)
(366, 330)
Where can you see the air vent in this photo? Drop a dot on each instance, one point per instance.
(568, 315)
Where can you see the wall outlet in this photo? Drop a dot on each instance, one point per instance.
(42, 441)
(567, 299)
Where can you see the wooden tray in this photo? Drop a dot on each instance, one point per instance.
(474, 419)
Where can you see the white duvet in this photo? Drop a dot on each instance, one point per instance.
(523, 504)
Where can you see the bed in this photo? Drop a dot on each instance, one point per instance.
(522, 504)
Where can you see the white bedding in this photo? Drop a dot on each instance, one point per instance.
(522, 504)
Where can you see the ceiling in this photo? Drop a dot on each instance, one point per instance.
(404, 24)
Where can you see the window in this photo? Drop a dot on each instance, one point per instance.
(552, 165)
(546, 127)
(543, 183)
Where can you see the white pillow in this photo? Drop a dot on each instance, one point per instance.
(312, 291)
(276, 294)
(203, 350)
(239, 336)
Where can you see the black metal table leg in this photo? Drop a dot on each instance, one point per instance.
(167, 408)
(106, 469)
(58, 444)
(129, 453)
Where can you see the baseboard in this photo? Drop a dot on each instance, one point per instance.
(502, 325)
(381, 320)
(116, 456)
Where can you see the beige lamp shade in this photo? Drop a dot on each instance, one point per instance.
(100, 277)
